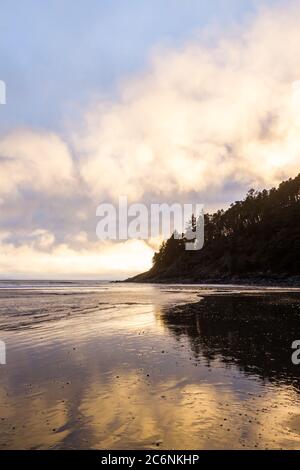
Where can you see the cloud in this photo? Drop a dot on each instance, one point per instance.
(203, 120)
(41, 257)
(35, 161)
(202, 116)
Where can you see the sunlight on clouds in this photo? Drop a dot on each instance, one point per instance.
(39, 161)
(102, 259)
(201, 117)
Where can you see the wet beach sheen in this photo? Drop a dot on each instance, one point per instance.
(129, 366)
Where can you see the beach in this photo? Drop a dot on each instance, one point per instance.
(96, 365)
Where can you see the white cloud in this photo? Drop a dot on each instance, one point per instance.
(42, 239)
(202, 116)
(95, 260)
(36, 161)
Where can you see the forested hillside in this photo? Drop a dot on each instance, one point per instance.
(258, 237)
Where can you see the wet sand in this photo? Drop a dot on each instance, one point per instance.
(97, 366)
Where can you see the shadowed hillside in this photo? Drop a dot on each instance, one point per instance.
(257, 238)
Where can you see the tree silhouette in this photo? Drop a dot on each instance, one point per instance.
(259, 235)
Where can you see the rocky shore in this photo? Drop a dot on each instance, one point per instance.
(255, 280)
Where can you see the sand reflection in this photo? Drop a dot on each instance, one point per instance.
(157, 381)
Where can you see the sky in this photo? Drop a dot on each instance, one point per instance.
(160, 101)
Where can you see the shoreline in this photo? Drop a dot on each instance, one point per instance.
(293, 281)
(94, 367)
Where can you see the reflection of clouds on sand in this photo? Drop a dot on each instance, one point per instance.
(121, 378)
(33, 420)
(278, 410)
(129, 409)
